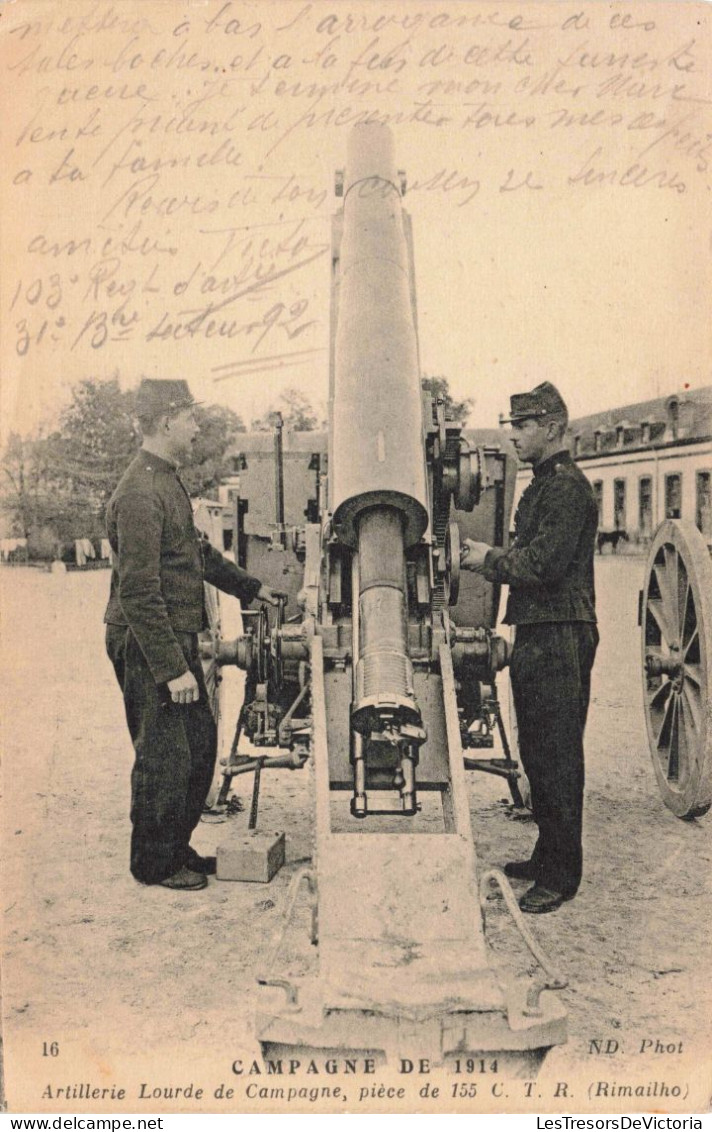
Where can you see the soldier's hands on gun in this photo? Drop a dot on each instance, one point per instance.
(472, 555)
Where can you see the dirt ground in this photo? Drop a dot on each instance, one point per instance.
(114, 972)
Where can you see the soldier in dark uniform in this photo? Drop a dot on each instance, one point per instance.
(549, 570)
(154, 614)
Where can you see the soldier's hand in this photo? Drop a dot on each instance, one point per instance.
(266, 593)
(184, 689)
(473, 554)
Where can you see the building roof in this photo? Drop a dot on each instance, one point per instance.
(678, 417)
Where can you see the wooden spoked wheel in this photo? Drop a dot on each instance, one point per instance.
(676, 620)
(211, 670)
(213, 684)
(452, 563)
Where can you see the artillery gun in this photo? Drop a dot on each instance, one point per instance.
(381, 668)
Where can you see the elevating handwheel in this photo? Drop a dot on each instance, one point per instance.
(676, 621)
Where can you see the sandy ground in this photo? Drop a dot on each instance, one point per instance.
(116, 972)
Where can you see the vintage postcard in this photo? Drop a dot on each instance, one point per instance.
(307, 210)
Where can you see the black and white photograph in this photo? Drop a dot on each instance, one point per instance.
(356, 556)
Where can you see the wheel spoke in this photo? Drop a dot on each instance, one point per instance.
(686, 741)
(673, 768)
(658, 711)
(666, 597)
(693, 641)
(657, 700)
(692, 704)
(693, 755)
(683, 592)
(685, 595)
(663, 738)
(693, 672)
(672, 581)
(659, 612)
(688, 626)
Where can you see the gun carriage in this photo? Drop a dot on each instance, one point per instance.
(380, 667)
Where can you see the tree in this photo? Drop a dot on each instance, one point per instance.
(95, 441)
(296, 410)
(454, 410)
(84, 458)
(30, 496)
(19, 486)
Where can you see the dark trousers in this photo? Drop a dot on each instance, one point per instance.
(175, 746)
(551, 684)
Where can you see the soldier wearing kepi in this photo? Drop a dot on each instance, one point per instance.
(549, 570)
(154, 614)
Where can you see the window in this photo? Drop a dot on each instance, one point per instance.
(645, 506)
(597, 486)
(703, 504)
(619, 505)
(645, 432)
(597, 440)
(673, 496)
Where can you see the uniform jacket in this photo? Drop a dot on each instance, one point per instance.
(160, 563)
(549, 567)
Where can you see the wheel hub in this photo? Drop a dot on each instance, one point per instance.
(671, 665)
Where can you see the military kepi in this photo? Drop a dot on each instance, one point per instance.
(157, 396)
(544, 400)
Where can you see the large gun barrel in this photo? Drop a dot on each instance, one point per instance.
(377, 461)
(377, 454)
